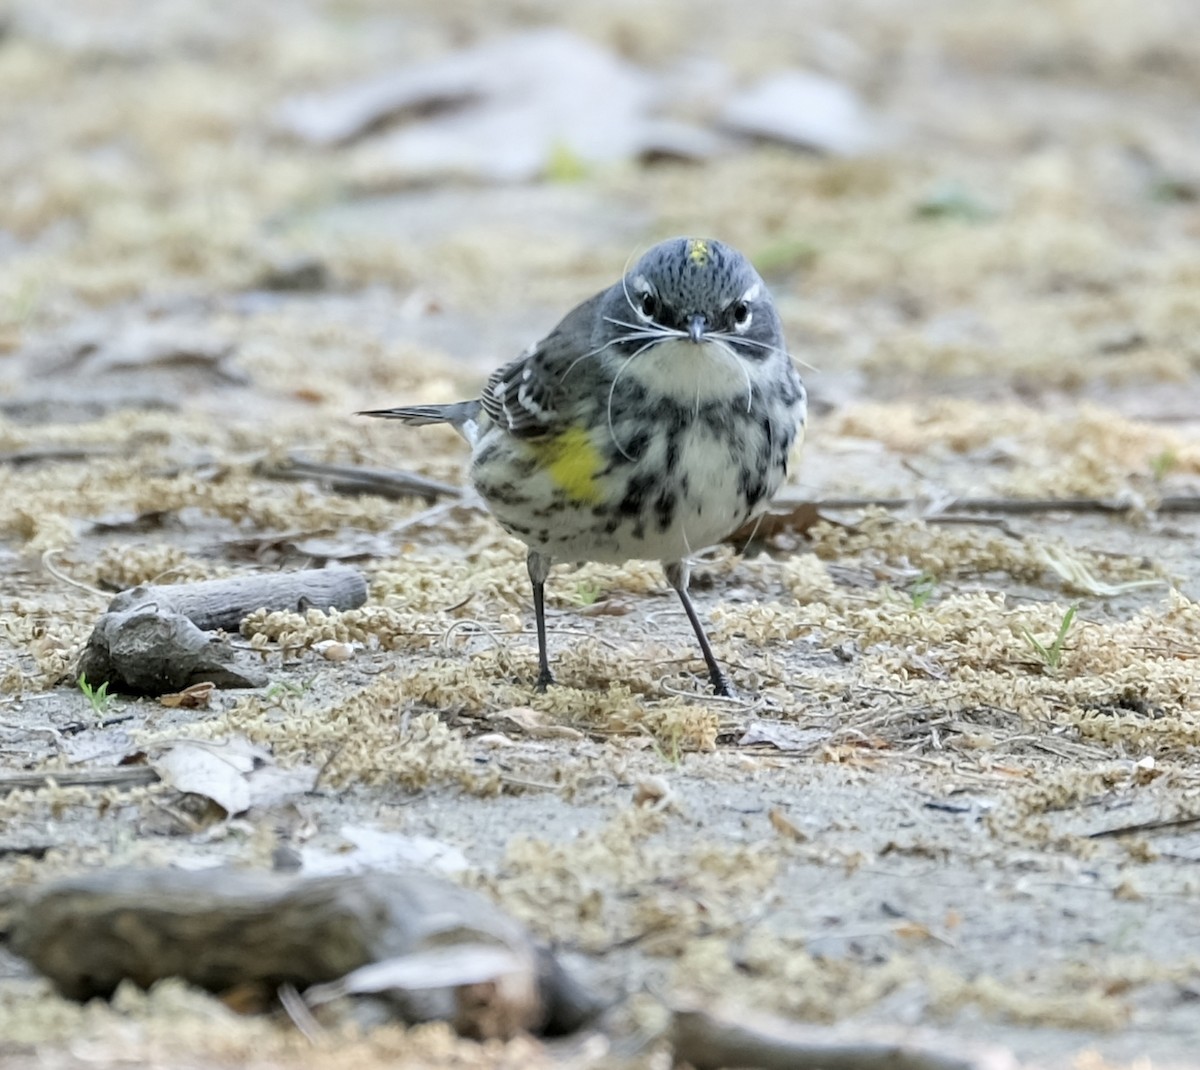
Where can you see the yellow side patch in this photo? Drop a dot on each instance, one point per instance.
(697, 251)
(573, 464)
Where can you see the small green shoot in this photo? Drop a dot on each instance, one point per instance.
(1052, 655)
(586, 593)
(922, 589)
(669, 748)
(1162, 464)
(952, 200)
(99, 697)
(287, 687)
(565, 165)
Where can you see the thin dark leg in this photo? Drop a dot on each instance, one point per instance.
(539, 569)
(678, 576)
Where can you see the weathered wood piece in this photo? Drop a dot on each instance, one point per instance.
(213, 605)
(153, 639)
(227, 928)
(706, 1040)
(149, 651)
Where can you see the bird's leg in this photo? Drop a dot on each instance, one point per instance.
(539, 569)
(678, 574)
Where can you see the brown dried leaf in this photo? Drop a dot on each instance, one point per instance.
(196, 697)
(782, 824)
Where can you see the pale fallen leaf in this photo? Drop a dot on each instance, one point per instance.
(785, 737)
(533, 724)
(1076, 575)
(333, 650)
(235, 774)
(438, 967)
(653, 793)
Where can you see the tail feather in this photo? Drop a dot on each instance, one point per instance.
(461, 415)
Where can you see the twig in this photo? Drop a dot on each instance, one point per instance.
(353, 479)
(129, 776)
(35, 454)
(297, 1010)
(1146, 826)
(62, 577)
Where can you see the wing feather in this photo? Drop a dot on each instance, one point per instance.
(526, 396)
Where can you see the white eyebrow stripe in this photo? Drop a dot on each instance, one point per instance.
(753, 293)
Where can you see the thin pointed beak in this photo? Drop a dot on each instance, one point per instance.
(697, 325)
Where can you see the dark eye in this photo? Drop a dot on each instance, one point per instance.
(741, 314)
(649, 305)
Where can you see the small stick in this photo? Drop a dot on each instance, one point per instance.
(353, 479)
(35, 454)
(1146, 826)
(49, 565)
(126, 776)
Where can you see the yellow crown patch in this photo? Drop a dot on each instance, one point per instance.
(697, 251)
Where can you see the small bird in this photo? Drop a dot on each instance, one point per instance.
(651, 423)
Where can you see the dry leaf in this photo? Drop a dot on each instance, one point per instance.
(913, 930)
(653, 793)
(782, 824)
(783, 736)
(196, 697)
(534, 724)
(333, 650)
(439, 967)
(235, 775)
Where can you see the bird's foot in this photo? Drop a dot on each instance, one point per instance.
(544, 679)
(722, 688)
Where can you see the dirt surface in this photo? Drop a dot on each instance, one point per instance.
(908, 821)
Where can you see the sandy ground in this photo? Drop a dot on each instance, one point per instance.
(908, 821)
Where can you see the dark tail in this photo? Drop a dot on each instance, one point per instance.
(461, 415)
(457, 414)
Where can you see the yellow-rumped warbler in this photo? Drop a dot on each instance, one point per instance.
(652, 422)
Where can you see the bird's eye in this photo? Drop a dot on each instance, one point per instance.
(741, 314)
(649, 305)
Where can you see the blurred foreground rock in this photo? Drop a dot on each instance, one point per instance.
(379, 946)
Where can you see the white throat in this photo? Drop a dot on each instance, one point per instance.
(688, 372)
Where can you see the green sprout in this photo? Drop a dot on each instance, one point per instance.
(565, 165)
(586, 593)
(952, 200)
(1052, 655)
(99, 697)
(922, 589)
(1161, 464)
(287, 687)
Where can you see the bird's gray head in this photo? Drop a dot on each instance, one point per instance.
(698, 289)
